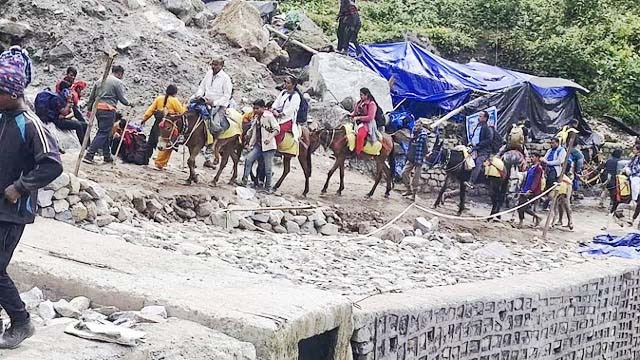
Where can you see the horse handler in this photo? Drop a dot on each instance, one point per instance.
(415, 157)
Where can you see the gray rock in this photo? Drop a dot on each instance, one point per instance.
(203, 19)
(260, 217)
(424, 225)
(95, 190)
(90, 315)
(242, 25)
(187, 248)
(79, 212)
(279, 229)
(13, 28)
(155, 310)
(329, 229)
(393, 233)
(102, 207)
(265, 226)
(300, 219)
(493, 250)
(185, 213)
(60, 205)
(220, 219)
(85, 196)
(140, 204)
(135, 4)
(275, 217)
(48, 212)
(74, 184)
(32, 298)
(246, 224)
(417, 232)
(104, 220)
(80, 303)
(292, 227)
(154, 206)
(60, 182)
(61, 193)
(46, 310)
(73, 199)
(308, 228)
(62, 50)
(94, 9)
(465, 238)
(123, 214)
(65, 216)
(274, 53)
(415, 241)
(65, 309)
(205, 209)
(92, 210)
(125, 45)
(45, 198)
(106, 310)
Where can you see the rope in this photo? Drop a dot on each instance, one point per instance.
(453, 217)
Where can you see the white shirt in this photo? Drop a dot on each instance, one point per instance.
(287, 104)
(216, 88)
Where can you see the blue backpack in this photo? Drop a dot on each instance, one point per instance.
(303, 109)
(48, 105)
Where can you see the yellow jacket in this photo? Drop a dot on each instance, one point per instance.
(174, 106)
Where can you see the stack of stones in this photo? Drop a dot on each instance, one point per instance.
(76, 201)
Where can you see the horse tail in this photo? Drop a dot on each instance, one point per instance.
(308, 158)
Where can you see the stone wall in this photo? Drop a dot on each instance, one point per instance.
(588, 311)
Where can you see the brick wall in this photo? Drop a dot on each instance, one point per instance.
(590, 311)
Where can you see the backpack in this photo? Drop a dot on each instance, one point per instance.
(48, 105)
(516, 136)
(380, 119)
(303, 109)
(496, 140)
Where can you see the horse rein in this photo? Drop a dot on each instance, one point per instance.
(172, 143)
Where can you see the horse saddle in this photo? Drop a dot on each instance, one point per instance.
(370, 148)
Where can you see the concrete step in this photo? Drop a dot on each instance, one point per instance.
(272, 314)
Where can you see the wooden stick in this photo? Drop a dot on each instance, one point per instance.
(304, 207)
(293, 41)
(554, 201)
(94, 108)
(126, 125)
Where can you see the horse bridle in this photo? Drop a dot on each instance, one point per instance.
(171, 140)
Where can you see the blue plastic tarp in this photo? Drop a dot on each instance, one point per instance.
(626, 246)
(429, 84)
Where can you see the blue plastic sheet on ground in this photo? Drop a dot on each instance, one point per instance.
(626, 246)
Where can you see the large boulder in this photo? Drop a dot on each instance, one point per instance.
(335, 77)
(309, 34)
(184, 9)
(67, 139)
(12, 28)
(242, 25)
(326, 114)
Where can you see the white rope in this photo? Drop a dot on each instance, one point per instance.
(453, 217)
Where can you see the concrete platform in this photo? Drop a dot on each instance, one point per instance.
(173, 340)
(273, 315)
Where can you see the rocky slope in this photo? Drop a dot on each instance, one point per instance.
(154, 45)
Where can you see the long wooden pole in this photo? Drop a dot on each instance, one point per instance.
(293, 41)
(87, 135)
(554, 201)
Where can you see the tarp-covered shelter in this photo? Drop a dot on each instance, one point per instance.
(429, 85)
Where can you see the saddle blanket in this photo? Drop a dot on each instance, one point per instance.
(369, 148)
(288, 145)
(469, 164)
(494, 167)
(235, 124)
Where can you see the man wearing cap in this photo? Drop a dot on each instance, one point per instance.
(215, 89)
(29, 161)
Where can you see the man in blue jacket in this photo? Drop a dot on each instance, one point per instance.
(29, 160)
(483, 148)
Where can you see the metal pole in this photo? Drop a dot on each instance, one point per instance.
(98, 94)
(555, 197)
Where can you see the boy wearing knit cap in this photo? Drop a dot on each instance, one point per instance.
(29, 160)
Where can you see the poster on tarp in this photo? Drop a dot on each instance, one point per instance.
(473, 132)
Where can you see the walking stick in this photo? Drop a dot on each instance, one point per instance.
(554, 201)
(121, 139)
(111, 57)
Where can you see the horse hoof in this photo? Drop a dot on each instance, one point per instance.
(386, 196)
(339, 193)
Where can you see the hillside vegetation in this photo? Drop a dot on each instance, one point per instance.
(595, 42)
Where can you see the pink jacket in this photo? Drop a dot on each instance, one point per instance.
(365, 111)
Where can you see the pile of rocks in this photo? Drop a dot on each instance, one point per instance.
(238, 212)
(46, 312)
(75, 201)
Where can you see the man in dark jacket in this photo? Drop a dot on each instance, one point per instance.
(415, 157)
(29, 161)
(348, 26)
(483, 148)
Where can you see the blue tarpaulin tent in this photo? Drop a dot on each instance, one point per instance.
(430, 85)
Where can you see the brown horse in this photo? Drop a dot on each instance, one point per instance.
(336, 139)
(192, 126)
(225, 149)
(305, 148)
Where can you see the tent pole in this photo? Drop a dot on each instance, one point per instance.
(447, 117)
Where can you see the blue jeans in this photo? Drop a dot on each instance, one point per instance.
(254, 155)
(103, 137)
